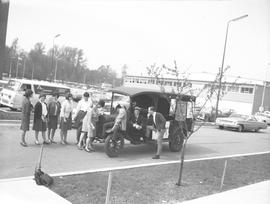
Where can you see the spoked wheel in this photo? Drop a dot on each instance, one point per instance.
(176, 142)
(114, 146)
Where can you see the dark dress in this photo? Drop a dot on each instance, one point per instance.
(39, 124)
(53, 114)
(26, 111)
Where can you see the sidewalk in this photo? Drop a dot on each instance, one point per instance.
(258, 193)
(28, 192)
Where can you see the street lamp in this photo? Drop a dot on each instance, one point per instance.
(56, 36)
(223, 58)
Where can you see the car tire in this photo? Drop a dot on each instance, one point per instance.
(240, 128)
(257, 130)
(176, 141)
(221, 127)
(113, 147)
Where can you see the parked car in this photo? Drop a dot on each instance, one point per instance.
(241, 123)
(262, 117)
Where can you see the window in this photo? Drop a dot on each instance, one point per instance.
(177, 84)
(25, 86)
(233, 88)
(50, 90)
(168, 83)
(12, 85)
(246, 90)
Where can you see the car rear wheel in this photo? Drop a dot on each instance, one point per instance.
(114, 146)
(240, 128)
(257, 130)
(176, 142)
(221, 127)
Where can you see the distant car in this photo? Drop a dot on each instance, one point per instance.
(262, 117)
(208, 115)
(241, 123)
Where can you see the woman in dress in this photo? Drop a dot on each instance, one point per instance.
(65, 118)
(40, 119)
(26, 111)
(54, 108)
(87, 128)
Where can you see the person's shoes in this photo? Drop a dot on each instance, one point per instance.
(62, 142)
(52, 141)
(37, 142)
(80, 147)
(156, 157)
(87, 150)
(23, 144)
(66, 142)
(91, 148)
(46, 143)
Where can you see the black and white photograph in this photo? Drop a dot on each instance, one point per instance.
(134, 101)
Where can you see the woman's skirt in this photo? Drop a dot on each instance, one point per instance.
(39, 125)
(65, 126)
(53, 122)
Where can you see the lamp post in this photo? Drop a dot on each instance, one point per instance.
(56, 36)
(223, 58)
(17, 66)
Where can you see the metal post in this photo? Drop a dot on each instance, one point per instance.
(17, 67)
(23, 67)
(109, 188)
(10, 67)
(55, 71)
(33, 71)
(221, 70)
(223, 175)
(223, 58)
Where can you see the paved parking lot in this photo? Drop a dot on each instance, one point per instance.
(17, 161)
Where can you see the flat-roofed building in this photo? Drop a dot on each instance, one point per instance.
(240, 94)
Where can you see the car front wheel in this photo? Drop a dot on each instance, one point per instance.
(240, 128)
(113, 146)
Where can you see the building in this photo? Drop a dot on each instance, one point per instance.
(239, 94)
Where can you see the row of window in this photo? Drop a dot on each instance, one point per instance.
(242, 89)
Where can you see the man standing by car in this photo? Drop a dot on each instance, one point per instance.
(81, 110)
(158, 126)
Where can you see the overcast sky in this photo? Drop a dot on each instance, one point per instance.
(140, 33)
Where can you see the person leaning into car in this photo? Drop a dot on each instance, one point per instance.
(158, 126)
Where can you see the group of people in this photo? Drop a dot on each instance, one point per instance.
(88, 116)
(46, 117)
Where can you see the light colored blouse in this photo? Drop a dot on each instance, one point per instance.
(66, 109)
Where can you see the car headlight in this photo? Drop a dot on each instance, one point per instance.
(234, 123)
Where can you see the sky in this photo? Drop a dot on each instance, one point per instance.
(142, 33)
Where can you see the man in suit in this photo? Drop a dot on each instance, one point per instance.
(158, 126)
(136, 126)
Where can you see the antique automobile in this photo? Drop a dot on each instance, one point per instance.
(241, 123)
(165, 103)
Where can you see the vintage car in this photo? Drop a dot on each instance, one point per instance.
(241, 123)
(164, 103)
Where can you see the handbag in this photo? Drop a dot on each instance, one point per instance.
(78, 119)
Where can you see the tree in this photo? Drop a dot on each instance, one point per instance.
(183, 87)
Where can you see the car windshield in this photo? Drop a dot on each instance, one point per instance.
(13, 85)
(245, 117)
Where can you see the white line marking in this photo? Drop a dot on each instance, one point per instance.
(137, 166)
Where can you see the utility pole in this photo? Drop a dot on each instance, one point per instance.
(222, 63)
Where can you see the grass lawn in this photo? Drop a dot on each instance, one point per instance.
(157, 184)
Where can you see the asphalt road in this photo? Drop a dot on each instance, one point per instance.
(18, 161)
